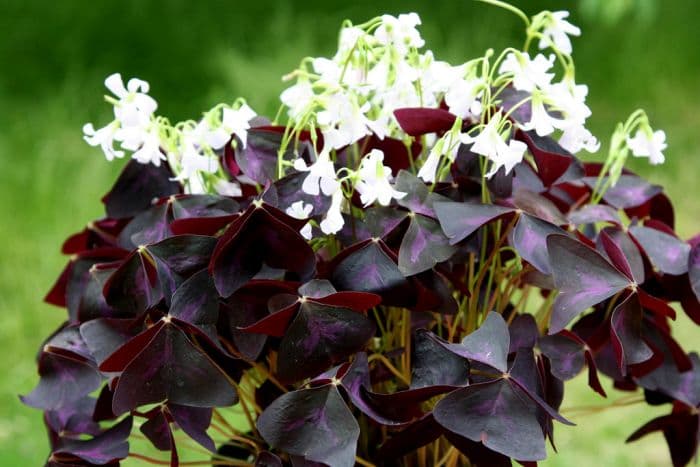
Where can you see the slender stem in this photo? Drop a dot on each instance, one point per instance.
(389, 366)
(153, 460)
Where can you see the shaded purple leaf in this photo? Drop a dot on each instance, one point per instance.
(419, 199)
(629, 191)
(194, 421)
(489, 344)
(259, 158)
(319, 337)
(551, 159)
(459, 220)
(623, 253)
(523, 333)
(137, 186)
(681, 430)
(694, 270)
(434, 365)
(109, 446)
(313, 423)
(423, 246)
(105, 335)
(529, 238)
(626, 334)
(593, 213)
(667, 253)
(583, 277)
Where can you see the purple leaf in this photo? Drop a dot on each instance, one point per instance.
(489, 344)
(367, 267)
(63, 381)
(495, 415)
(667, 253)
(107, 447)
(523, 333)
(418, 199)
(593, 213)
(694, 270)
(259, 158)
(262, 236)
(105, 335)
(629, 192)
(626, 334)
(583, 277)
(434, 365)
(137, 186)
(551, 159)
(313, 423)
(198, 206)
(319, 337)
(134, 286)
(681, 430)
(538, 206)
(169, 367)
(194, 421)
(423, 246)
(623, 253)
(459, 220)
(529, 238)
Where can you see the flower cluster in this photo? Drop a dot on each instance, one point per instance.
(406, 264)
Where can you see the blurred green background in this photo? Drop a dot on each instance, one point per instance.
(54, 57)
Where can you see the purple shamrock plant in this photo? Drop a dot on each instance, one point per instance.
(403, 268)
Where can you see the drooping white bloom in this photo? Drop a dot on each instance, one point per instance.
(648, 144)
(576, 137)
(462, 97)
(428, 171)
(569, 99)
(104, 137)
(557, 31)
(238, 121)
(375, 177)
(149, 151)
(528, 74)
(490, 143)
(215, 137)
(301, 210)
(321, 174)
(192, 160)
(297, 98)
(400, 32)
(134, 107)
(541, 121)
(334, 221)
(344, 119)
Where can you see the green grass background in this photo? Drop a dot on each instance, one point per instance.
(54, 57)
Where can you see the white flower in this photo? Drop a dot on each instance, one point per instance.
(541, 121)
(134, 107)
(557, 31)
(647, 144)
(429, 170)
(215, 137)
(192, 161)
(334, 221)
(344, 119)
(462, 97)
(149, 151)
(301, 210)
(490, 143)
(226, 188)
(400, 32)
(297, 98)
(528, 74)
(374, 184)
(577, 137)
(104, 137)
(348, 38)
(321, 174)
(238, 121)
(570, 99)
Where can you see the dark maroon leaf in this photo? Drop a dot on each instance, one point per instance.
(267, 459)
(318, 337)
(694, 270)
(417, 121)
(107, 447)
(289, 191)
(623, 252)
(529, 238)
(157, 429)
(423, 246)
(263, 235)
(477, 453)
(584, 278)
(419, 433)
(459, 220)
(667, 253)
(134, 286)
(313, 423)
(168, 368)
(681, 385)
(551, 159)
(626, 334)
(137, 186)
(510, 97)
(150, 226)
(369, 268)
(680, 429)
(105, 335)
(196, 302)
(203, 205)
(538, 206)
(567, 353)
